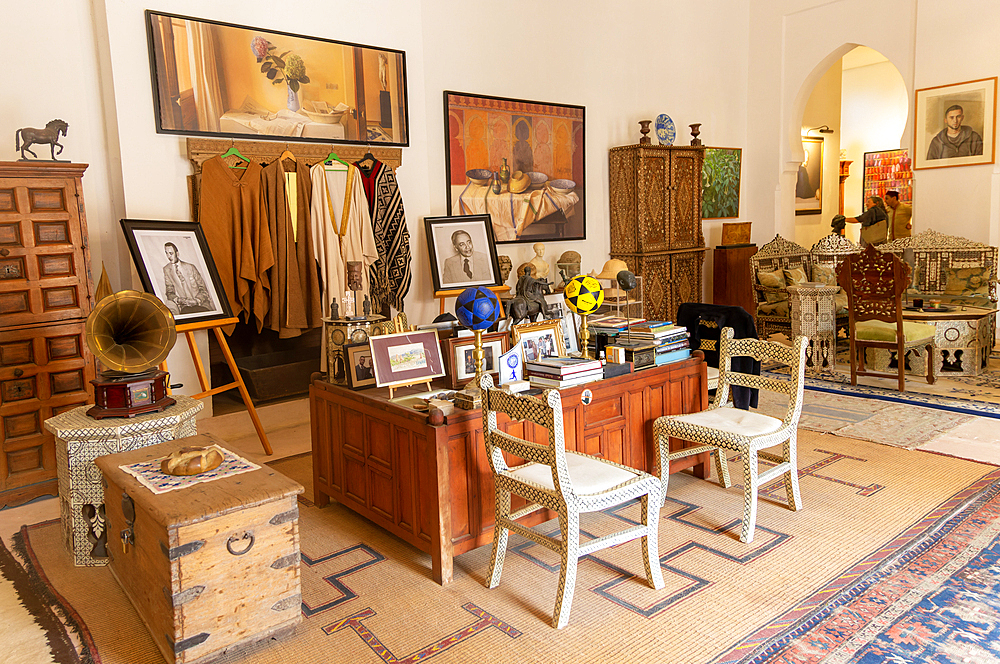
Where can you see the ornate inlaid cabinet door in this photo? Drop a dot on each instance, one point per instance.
(684, 224)
(655, 204)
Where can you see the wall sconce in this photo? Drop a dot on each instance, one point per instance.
(823, 129)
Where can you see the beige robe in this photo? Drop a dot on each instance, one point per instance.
(342, 231)
(295, 297)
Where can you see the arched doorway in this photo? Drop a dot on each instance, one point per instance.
(859, 104)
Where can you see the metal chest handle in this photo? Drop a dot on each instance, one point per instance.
(234, 538)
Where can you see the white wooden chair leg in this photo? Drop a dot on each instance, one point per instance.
(749, 496)
(499, 538)
(792, 476)
(650, 505)
(567, 571)
(722, 466)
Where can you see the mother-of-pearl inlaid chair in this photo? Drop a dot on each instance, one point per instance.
(721, 428)
(566, 482)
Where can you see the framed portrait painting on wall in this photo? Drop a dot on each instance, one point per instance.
(462, 252)
(954, 124)
(809, 185)
(520, 162)
(175, 264)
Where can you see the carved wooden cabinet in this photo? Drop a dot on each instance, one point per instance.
(655, 193)
(45, 298)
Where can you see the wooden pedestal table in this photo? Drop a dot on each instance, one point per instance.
(814, 315)
(81, 439)
(432, 485)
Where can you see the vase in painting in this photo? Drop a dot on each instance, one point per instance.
(293, 100)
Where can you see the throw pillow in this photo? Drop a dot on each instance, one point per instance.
(825, 274)
(774, 279)
(967, 281)
(795, 275)
(773, 309)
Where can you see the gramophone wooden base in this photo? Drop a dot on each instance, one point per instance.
(130, 395)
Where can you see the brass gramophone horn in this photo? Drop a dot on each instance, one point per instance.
(130, 331)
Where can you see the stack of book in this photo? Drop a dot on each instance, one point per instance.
(671, 345)
(611, 325)
(559, 372)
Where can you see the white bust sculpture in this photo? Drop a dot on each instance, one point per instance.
(541, 265)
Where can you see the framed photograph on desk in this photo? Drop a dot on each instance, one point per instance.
(538, 340)
(360, 368)
(460, 358)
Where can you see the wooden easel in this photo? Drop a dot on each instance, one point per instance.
(443, 294)
(216, 326)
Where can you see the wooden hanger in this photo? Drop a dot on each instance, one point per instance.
(287, 154)
(233, 152)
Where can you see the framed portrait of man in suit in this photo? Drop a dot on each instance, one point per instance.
(463, 252)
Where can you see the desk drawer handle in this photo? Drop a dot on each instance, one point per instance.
(18, 372)
(234, 538)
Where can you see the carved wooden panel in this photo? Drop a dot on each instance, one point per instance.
(623, 200)
(685, 181)
(653, 190)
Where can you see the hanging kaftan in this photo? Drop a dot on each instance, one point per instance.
(231, 213)
(390, 274)
(342, 231)
(295, 296)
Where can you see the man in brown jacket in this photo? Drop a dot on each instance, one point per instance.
(900, 216)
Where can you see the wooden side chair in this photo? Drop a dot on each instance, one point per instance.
(875, 282)
(566, 482)
(721, 427)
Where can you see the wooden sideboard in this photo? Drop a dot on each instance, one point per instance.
(432, 485)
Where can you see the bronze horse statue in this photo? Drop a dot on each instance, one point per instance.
(530, 299)
(27, 136)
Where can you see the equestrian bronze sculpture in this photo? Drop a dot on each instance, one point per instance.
(28, 136)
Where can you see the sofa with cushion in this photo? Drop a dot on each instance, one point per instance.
(949, 268)
(780, 263)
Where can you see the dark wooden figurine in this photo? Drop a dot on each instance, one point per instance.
(27, 136)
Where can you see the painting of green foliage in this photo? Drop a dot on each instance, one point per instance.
(720, 183)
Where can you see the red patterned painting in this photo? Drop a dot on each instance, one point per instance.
(521, 162)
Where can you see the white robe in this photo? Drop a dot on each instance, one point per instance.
(336, 239)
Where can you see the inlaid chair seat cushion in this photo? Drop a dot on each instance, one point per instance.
(588, 475)
(733, 420)
(877, 330)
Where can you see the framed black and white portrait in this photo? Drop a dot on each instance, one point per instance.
(463, 252)
(175, 264)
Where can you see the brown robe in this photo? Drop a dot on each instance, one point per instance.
(231, 212)
(295, 296)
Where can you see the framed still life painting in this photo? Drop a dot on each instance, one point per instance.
(521, 162)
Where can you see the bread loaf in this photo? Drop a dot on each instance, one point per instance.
(191, 461)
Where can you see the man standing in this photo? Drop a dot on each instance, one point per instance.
(955, 140)
(466, 265)
(900, 216)
(185, 289)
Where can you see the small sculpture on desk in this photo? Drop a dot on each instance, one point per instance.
(354, 283)
(568, 266)
(334, 310)
(28, 136)
(838, 224)
(367, 306)
(506, 265)
(540, 264)
(530, 298)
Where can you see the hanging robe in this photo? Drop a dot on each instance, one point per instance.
(295, 304)
(390, 274)
(342, 231)
(231, 213)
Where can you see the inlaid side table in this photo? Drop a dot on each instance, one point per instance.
(81, 439)
(814, 315)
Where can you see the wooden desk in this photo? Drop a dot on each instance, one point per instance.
(432, 485)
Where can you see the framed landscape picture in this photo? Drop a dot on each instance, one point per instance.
(406, 357)
(520, 162)
(954, 124)
(214, 78)
(720, 183)
(175, 264)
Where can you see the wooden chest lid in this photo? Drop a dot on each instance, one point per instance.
(200, 501)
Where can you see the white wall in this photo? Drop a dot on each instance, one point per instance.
(823, 108)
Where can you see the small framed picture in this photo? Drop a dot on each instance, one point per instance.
(360, 368)
(460, 356)
(463, 252)
(175, 265)
(809, 186)
(570, 321)
(406, 357)
(538, 340)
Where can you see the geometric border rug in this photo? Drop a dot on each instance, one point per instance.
(932, 600)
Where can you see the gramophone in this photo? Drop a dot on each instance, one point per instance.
(130, 333)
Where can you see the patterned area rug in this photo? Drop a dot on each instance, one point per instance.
(368, 597)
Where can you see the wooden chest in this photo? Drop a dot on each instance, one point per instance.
(212, 566)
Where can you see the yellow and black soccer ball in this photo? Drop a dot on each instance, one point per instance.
(584, 294)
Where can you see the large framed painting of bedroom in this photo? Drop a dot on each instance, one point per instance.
(519, 161)
(219, 79)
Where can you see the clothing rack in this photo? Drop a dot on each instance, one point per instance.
(199, 150)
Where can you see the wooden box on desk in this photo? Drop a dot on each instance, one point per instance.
(198, 581)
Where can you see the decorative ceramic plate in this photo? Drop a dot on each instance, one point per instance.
(665, 131)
